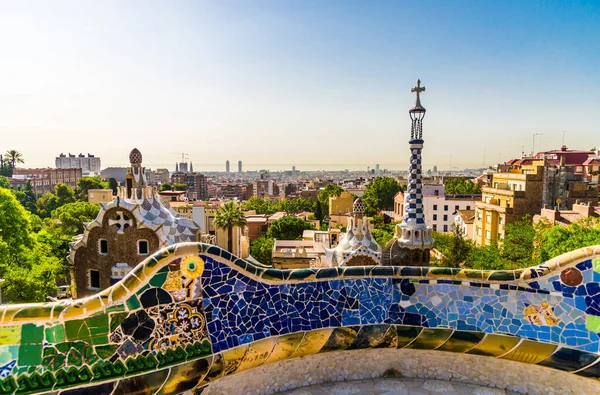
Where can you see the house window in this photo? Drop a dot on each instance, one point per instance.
(468, 207)
(445, 207)
(456, 208)
(488, 218)
(435, 207)
(478, 231)
(142, 247)
(445, 218)
(436, 193)
(94, 279)
(479, 215)
(103, 246)
(500, 220)
(500, 236)
(435, 227)
(488, 235)
(435, 217)
(445, 228)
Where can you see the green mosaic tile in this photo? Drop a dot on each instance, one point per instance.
(107, 351)
(30, 355)
(77, 330)
(55, 334)
(592, 323)
(133, 303)
(158, 279)
(596, 263)
(116, 319)
(32, 334)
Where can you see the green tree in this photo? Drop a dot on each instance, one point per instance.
(259, 205)
(27, 198)
(15, 228)
(113, 184)
(442, 242)
(165, 187)
(180, 187)
(327, 192)
(4, 183)
(379, 195)
(518, 242)
(288, 228)
(14, 157)
(382, 236)
(33, 278)
(458, 251)
(72, 216)
(554, 240)
(229, 216)
(261, 249)
(89, 182)
(461, 186)
(486, 258)
(48, 202)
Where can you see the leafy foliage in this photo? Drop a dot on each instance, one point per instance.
(4, 182)
(86, 183)
(288, 228)
(113, 184)
(379, 195)
(48, 202)
(554, 240)
(262, 248)
(289, 206)
(458, 251)
(71, 216)
(518, 243)
(180, 187)
(461, 186)
(15, 228)
(327, 192)
(228, 217)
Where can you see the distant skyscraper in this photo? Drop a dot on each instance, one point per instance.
(191, 168)
(88, 164)
(377, 168)
(293, 169)
(435, 169)
(227, 167)
(239, 166)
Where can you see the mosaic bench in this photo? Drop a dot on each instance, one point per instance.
(193, 313)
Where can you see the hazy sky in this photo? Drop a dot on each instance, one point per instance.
(316, 84)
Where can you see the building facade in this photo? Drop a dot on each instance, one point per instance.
(196, 185)
(438, 208)
(89, 164)
(44, 180)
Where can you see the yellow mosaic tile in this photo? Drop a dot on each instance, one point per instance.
(430, 339)
(531, 352)
(285, 347)
(257, 354)
(312, 342)
(10, 335)
(118, 293)
(233, 358)
(495, 345)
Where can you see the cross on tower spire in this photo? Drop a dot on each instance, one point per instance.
(418, 89)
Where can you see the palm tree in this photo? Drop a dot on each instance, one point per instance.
(14, 157)
(228, 217)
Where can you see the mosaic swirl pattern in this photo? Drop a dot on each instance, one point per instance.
(193, 313)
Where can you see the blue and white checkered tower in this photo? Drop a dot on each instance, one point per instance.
(416, 239)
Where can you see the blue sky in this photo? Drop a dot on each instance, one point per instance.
(316, 84)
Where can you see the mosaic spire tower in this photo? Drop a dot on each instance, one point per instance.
(415, 241)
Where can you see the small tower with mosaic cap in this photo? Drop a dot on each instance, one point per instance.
(135, 179)
(413, 241)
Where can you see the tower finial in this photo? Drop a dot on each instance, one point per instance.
(418, 89)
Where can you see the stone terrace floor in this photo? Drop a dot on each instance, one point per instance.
(398, 386)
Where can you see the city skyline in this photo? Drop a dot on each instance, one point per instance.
(313, 85)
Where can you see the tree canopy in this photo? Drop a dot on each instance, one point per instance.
(72, 216)
(328, 191)
(379, 195)
(229, 216)
(89, 182)
(288, 228)
(261, 249)
(461, 186)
